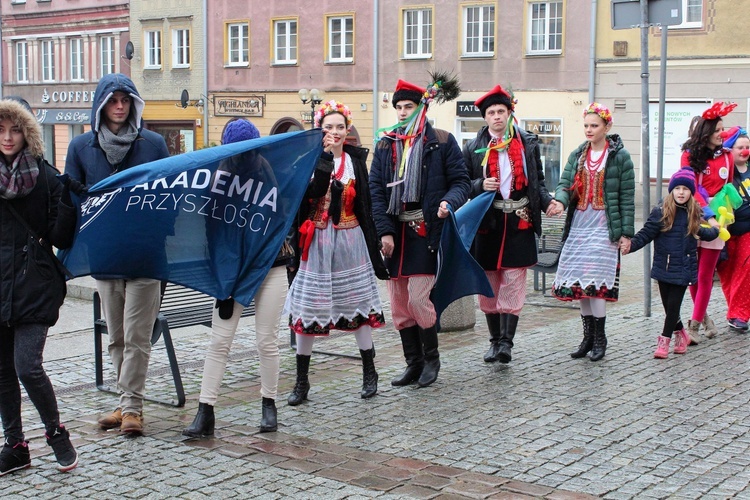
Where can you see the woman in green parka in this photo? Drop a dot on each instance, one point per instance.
(598, 183)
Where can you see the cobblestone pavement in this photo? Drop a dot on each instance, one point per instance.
(543, 426)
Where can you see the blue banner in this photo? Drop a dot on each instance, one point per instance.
(458, 274)
(212, 220)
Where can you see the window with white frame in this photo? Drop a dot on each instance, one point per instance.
(107, 53)
(545, 28)
(181, 48)
(22, 62)
(692, 15)
(285, 41)
(152, 49)
(479, 31)
(48, 60)
(76, 59)
(238, 43)
(341, 39)
(417, 33)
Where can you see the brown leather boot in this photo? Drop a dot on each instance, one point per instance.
(132, 423)
(111, 421)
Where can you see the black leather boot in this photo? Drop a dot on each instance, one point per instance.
(203, 424)
(493, 324)
(431, 356)
(588, 338)
(413, 354)
(302, 387)
(600, 340)
(509, 322)
(369, 375)
(268, 418)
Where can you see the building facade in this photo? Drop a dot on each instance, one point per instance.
(169, 66)
(708, 59)
(53, 55)
(539, 49)
(262, 54)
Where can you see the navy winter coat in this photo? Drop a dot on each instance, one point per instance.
(675, 252)
(444, 177)
(86, 160)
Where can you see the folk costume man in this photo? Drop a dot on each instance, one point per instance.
(417, 173)
(505, 159)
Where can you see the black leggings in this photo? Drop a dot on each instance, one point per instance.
(671, 299)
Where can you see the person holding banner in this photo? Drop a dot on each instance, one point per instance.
(269, 300)
(36, 212)
(598, 185)
(713, 166)
(505, 160)
(733, 271)
(336, 284)
(417, 175)
(118, 141)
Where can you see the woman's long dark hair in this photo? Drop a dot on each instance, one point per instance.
(698, 144)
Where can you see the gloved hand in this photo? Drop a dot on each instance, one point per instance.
(225, 307)
(73, 185)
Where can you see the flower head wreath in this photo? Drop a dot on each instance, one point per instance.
(331, 107)
(718, 110)
(598, 109)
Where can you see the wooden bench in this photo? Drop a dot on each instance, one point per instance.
(549, 246)
(180, 307)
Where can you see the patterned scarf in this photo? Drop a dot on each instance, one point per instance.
(18, 180)
(116, 146)
(512, 143)
(407, 147)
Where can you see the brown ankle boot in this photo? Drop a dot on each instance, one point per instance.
(132, 423)
(111, 421)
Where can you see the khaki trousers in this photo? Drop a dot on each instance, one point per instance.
(130, 308)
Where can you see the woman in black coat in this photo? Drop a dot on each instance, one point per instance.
(336, 284)
(36, 212)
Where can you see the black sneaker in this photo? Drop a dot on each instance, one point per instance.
(13, 458)
(66, 455)
(737, 324)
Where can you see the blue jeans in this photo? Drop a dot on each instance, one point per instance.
(21, 352)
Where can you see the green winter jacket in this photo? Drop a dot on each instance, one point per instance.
(619, 188)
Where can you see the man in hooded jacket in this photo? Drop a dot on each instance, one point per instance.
(117, 141)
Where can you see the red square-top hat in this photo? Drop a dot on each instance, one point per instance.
(497, 95)
(406, 91)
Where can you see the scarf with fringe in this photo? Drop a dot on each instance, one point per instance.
(18, 179)
(407, 148)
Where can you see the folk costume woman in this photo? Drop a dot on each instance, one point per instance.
(599, 187)
(336, 285)
(36, 212)
(713, 166)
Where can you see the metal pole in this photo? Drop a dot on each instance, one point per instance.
(645, 167)
(662, 106)
(204, 46)
(592, 54)
(375, 68)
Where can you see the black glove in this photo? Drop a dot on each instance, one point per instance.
(225, 307)
(73, 185)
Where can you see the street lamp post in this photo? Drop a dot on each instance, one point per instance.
(314, 97)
